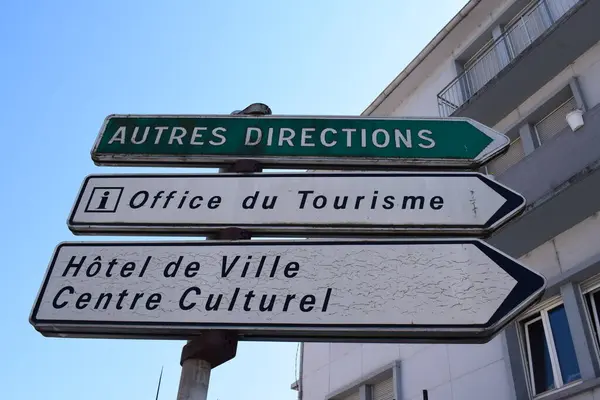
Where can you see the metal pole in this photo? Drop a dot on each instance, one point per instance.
(193, 384)
(200, 355)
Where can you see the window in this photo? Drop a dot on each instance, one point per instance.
(554, 122)
(353, 396)
(551, 362)
(376, 385)
(383, 390)
(592, 300)
(591, 294)
(514, 154)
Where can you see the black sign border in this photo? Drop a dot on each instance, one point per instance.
(513, 207)
(530, 287)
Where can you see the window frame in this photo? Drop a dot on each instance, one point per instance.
(540, 312)
(595, 314)
(590, 287)
(364, 384)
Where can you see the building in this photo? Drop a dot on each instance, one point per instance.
(521, 67)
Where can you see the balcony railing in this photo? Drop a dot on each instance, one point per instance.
(530, 24)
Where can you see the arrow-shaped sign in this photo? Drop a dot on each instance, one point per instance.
(294, 204)
(296, 141)
(380, 290)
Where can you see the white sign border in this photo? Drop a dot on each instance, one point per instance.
(499, 145)
(293, 230)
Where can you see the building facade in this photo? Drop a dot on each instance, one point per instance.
(532, 71)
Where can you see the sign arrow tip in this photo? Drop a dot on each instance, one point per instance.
(514, 204)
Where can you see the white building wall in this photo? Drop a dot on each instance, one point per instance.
(578, 243)
(423, 101)
(461, 372)
(446, 371)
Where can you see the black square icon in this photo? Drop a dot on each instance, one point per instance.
(104, 199)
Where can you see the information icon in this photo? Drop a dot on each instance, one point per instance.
(104, 199)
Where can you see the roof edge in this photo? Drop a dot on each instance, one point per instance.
(441, 35)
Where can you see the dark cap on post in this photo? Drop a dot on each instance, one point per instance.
(214, 347)
(254, 109)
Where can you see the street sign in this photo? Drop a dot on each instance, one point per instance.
(294, 204)
(447, 291)
(295, 141)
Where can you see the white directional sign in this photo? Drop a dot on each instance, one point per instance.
(293, 204)
(374, 290)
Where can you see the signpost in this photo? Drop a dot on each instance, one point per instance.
(295, 141)
(294, 204)
(454, 290)
(213, 293)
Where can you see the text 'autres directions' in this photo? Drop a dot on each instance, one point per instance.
(309, 141)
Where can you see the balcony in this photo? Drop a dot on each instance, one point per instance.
(534, 47)
(561, 182)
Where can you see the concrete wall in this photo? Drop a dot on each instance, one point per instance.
(566, 250)
(458, 372)
(423, 101)
(587, 70)
(591, 395)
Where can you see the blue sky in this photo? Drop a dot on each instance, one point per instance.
(66, 65)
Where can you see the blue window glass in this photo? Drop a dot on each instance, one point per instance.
(543, 378)
(563, 342)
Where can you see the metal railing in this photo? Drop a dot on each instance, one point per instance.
(519, 34)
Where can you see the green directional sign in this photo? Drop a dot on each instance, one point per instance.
(295, 141)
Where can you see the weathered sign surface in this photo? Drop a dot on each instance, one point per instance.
(377, 290)
(295, 141)
(293, 204)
